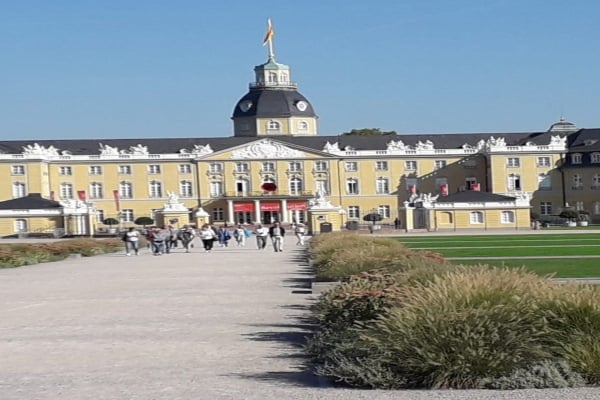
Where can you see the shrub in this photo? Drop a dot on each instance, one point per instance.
(539, 376)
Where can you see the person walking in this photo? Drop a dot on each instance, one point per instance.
(159, 237)
(132, 241)
(261, 232)
(239, 234)
(186, 235)
(207, 235)
(299, 231)
(224, 236)
(276, 232)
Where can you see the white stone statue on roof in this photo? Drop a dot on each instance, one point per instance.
(139, 150)
(499, 142)
(37, 150)
(481, 144)
(396, 145)
(556, 140)
(106, 150)
(428, 145)
(200, 150)
(331, 148)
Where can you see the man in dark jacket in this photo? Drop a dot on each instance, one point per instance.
(276, 232)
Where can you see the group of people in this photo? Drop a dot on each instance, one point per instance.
(163, 239)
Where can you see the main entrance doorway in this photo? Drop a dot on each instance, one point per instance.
(269, 217)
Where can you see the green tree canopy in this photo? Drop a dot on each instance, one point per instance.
(110, 221)
(144, 221)
(369, 132)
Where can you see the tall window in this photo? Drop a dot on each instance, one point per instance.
(268, 166)
(125, 190)
(595, 157)
(439, 164)
(513, 162)
(596, 181)
(296, 186)
(577, 182)
(469, 182)
(66, 191)
(543, 161)
(154, 169)
(185, 189)
(507, 217)
(19, 189)
(576, 158)
(241, 167)
(20, 225)
(596, 207)
(351, 186)
(381, 165)
(384, 211)
(155, 189)
(295, 166)
(579, 205)
(514, 182)
(410, 165)
(545, 208)
(440, 182)
(476, 217)
(216, 189)
(95, 170)
(273, 126)
(65, 170)
(382, 185)
(215, 168)
(544, 182)
(96, 191)
(321, 166)
(321, 186)
(185, 169)
(242, 186)
(18, 170)
(411, 184)
(353, 212)
(127, 215)
(218, 214)
(124, 169)
(351, 166)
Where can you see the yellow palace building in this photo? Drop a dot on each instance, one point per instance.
(277, 168)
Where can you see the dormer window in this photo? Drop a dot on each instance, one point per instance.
(273, 126)
(302, 126)
(576, 158)
(595, 158)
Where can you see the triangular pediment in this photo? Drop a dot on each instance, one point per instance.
(267, 148)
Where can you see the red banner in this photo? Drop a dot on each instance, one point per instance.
(412, 188)
(117, 199)
(296, 205)
(52, 195)
(475, 187)
(81, 195)
(444, 189)
(243, 207)
(270, 206)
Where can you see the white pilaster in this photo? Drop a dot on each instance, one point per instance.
(256, 210)
(284, 211)
(230, 211)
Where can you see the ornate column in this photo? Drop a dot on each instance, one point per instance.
(284, 211)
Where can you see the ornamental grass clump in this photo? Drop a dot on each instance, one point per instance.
(339, 256)
(458, 327)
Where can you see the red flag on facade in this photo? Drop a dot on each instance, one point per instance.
(412, 188)
(475, 187)
(444, 189)
(81, 195)
(117, 199)
(52, 195)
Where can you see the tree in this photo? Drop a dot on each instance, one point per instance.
(110, 221)
(144, 221)
(569, 214)
(369, 132)
(373, 217)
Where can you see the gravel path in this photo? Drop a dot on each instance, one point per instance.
(222, 325)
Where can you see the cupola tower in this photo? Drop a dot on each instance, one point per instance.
(273, 105)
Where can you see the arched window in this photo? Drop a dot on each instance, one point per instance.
(302, 125)
(476, 217)
(296, 186)
(125, 190)
(273, 126)
(351, 186)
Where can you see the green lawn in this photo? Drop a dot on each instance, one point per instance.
(547, 245)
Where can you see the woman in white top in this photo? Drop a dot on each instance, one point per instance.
(132, 241)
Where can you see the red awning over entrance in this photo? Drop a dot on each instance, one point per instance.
(270, 206)
(296, 205)
(243, 207)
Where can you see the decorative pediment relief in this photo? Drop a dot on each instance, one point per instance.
(266, 148)
(37, 150)
(106, 150)
(396, 145)
(200, 150)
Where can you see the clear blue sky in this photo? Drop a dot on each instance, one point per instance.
(176, 68)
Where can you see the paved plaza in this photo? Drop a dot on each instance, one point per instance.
(220, 325)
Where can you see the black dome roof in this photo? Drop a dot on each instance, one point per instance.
(273, 103)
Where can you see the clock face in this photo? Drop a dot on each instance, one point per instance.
(245, 105)
(301, 105)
